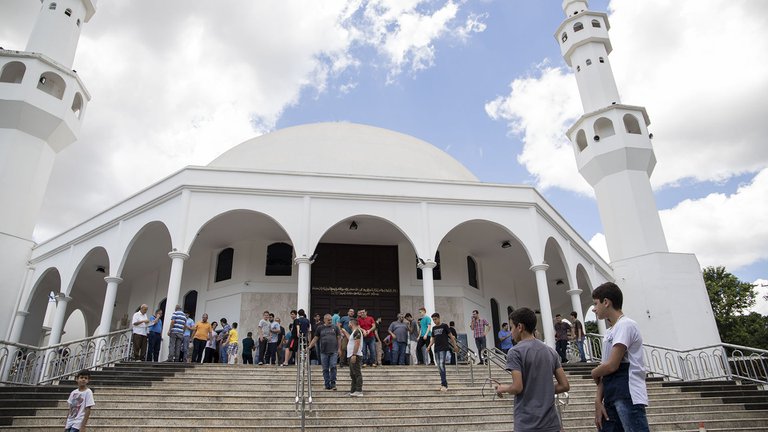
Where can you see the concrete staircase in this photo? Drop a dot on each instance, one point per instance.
(179, 397)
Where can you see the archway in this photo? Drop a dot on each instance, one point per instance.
(34, 331)
(88, 288)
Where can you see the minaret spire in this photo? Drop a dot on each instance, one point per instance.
(42, 101)
(611, 140)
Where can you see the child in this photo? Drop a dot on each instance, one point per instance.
(533, 364)
(80, 402)
(248, 346)
(232, 345)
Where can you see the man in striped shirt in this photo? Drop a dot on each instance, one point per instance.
(479, 328)
(176, 334)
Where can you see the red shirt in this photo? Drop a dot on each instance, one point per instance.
(366, 324)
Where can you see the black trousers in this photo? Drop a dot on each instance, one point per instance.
(561, 347)
(263, 349)
(198, 348)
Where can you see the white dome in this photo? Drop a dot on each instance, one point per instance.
(345, 149)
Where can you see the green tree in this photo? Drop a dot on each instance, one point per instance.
(591, 327)
(730, 299)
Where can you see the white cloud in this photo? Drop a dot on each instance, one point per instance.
(538, 109)
(761, 305)
(180, 85)
(703, 76)
(727, 230)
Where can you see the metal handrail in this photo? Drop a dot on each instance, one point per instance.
(712, 362)
(303, 381)
(23, 364)
(470, 356)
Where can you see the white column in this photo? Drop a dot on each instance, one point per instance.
(172, 298)
(58, 318)
(544, 304)
(601, 326)
(18, 326)
(576, 302)
(109, 305)
(305, 268)
(429, 285)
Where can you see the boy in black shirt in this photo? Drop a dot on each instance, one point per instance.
(248, 346)
(442, 340)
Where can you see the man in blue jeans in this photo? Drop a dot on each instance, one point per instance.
(480, 329)
(398, 330)
(326, 338)
(621, 396)
(443, 341)
(368, 326)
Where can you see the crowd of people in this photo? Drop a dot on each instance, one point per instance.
(355, 340)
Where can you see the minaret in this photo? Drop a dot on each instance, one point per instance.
(614, 154)
(612, 143)
(42, 103)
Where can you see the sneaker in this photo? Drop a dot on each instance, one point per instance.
(333, 388)
(365, 365)
(375, 365)
(443, 388)
(357, 394)
(261, 363)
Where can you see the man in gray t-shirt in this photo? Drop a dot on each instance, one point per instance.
(533, 364)
(327, 338)
(398, 330)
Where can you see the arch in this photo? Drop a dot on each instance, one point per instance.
(577, 27)
(13, 72)
(564, 37)
(52, 6)
(52, 83)
(77, 104)
(147, 239)
(162, 304)
(232, 225)
(558, 277)
(472, 278)
(604, 128)
(581, 140)
(589, 62)
(224, 261)
(596, 23)
(279, 259)
(372, 227)
(631, 124)
(190, 303)
(68, 12)
(486, 235)
(601, 59)
(75, 326)
(48, 281)
(495, 322)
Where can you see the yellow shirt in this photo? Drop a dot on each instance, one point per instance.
(202, 330)
(233, 336)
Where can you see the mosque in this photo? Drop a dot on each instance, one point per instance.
(296, 219)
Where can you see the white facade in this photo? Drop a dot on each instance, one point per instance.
(197, 212)
(614, 154)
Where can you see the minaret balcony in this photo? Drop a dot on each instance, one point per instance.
(581, 29)
(610, 139)
(41, 97)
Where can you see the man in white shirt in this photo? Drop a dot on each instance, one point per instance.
(140, 323)
(621, 396)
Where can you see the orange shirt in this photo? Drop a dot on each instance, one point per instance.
(202, 330)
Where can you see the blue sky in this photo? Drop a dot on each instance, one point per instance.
(176, 84)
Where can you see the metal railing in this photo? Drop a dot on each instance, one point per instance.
(30, 365)
(303, 381)
(714, 362)
(467, 355)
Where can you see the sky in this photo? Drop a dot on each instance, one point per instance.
(178, 83)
